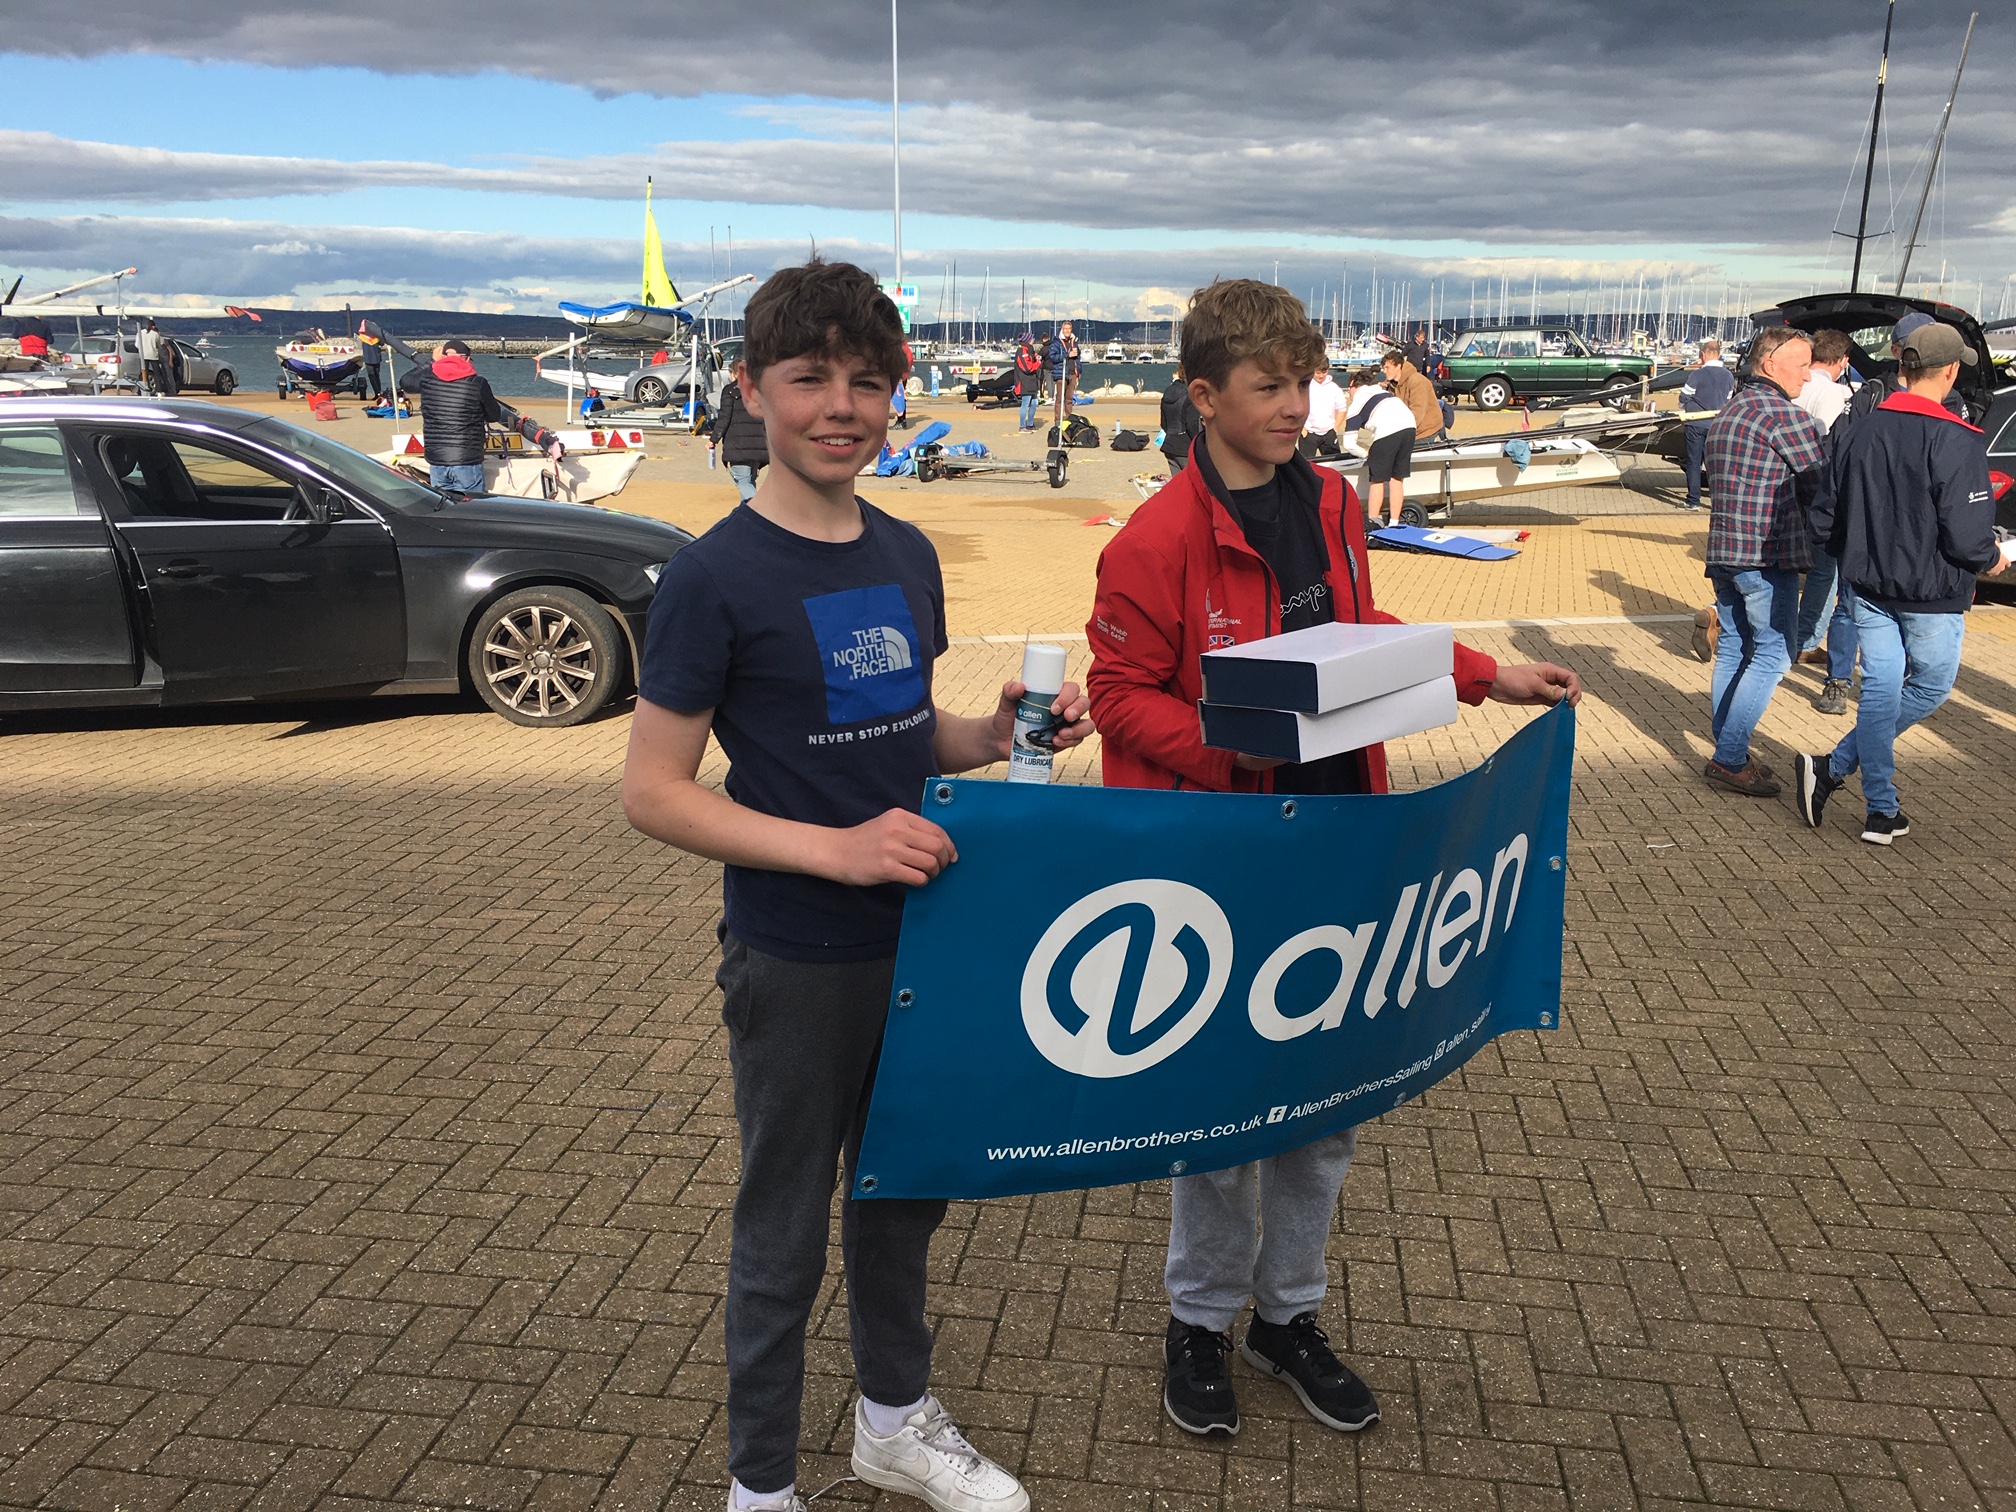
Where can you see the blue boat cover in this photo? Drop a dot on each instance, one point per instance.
(900, 463)
(1440, 543)
(597, 314)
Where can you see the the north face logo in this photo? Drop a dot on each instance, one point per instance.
(882, 649)
(870, 653)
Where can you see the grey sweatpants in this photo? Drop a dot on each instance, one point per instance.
(803, 1042)
(1218, 1257)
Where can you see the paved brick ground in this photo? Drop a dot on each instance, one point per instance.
(365, 1135)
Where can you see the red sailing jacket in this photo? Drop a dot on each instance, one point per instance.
(1180, 580)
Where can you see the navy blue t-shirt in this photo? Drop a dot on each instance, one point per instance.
(815, 657)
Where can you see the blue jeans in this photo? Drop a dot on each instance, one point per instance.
(1816, 598)
(1759, 610)
(1909, 662)
(1696, 436)
(466, 477)
(744, 474)
(1029, 410)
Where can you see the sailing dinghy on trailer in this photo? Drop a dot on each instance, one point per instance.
(661, 318)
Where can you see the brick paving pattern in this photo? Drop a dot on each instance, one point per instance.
(367, 1140)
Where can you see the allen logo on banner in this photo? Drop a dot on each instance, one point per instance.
(1113, 985)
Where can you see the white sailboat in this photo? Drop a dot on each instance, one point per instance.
(656, 316)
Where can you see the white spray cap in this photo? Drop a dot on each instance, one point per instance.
(1043, 668)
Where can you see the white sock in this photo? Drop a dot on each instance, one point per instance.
(740, 1496)
(883, 1421)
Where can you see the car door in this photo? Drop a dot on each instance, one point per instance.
(1519, 359)
(63, 598)
(1561, 367)
(250, 594)
(198, 371)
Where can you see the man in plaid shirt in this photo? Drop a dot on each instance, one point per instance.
(1765, 454)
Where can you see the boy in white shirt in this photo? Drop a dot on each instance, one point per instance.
(1378, 423)
(1326, 402)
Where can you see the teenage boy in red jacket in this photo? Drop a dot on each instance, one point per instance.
(1250, 540)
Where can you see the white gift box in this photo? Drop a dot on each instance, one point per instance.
(1327, 667)
(1287, 735)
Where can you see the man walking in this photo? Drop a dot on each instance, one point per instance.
(1822, 597)
(1706, 390)
(737, 437)
(1910, 516)
(1765, 453)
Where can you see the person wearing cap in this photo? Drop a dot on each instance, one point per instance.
(458, 403)
(1865, 399)
(1908, 512)
(1765, 454)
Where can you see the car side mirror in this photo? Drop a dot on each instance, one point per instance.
(322, 505)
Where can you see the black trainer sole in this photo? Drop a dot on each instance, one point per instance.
(1208, 1430)
(1806, 774)
(1266, 1366)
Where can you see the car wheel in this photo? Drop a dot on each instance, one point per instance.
(1619, 381)
(652, 391)
(545, 657)
(225, 381)
(1493, 393)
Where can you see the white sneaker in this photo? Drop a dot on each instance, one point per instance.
(792, 1502)
(928, 1457)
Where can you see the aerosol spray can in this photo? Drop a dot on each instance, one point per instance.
(1029, 755)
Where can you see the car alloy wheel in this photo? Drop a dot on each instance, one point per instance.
(1493, 394)
(226, 381)
(653, 391)
(546, 657)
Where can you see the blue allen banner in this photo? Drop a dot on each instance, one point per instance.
(1114, 985)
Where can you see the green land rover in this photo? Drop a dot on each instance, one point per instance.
(1496, 367)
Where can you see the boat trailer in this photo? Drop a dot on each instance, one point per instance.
(935, 462)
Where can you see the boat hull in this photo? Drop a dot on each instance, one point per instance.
(1457, 474)
(628, 321)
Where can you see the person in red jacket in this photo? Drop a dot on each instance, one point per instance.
(1250, 540)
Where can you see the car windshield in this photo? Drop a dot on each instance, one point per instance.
(374, 480)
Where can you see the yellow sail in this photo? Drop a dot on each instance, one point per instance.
(658, 289)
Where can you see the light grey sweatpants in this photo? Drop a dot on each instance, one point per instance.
(1218, 1257)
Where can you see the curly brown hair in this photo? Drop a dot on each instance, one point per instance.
(832, 309)
(1234, 319)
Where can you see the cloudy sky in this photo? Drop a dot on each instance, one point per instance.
(487, 154)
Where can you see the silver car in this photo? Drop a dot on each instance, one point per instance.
(117, 368)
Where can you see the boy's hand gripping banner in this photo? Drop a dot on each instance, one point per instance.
(1113, 985)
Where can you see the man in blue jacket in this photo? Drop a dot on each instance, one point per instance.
(1910, 515)
(1706, 390)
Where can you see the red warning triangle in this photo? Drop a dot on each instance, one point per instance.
(413, 447)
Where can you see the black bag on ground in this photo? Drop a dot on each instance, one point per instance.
(1129, 440)
(1078, 431)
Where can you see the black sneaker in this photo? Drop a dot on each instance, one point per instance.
(1881, 829)
(1196, 1386)
(1813, 785)
(1298, 1352)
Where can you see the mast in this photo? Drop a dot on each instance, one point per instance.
(1938, 146)
(896, 141)
(1869, 169)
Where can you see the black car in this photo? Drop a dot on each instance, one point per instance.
(1866, 319)
(181, 553)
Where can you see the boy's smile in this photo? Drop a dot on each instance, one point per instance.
(825, 416)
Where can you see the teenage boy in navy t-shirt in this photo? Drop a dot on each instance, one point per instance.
(802, 631)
